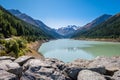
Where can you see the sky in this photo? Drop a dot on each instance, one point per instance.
(60, 13)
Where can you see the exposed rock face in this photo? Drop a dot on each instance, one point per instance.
(45, 70)
(56, 63)
(89, 75)
(116, 75)
(29, 68)
(23, 59)
(72, 72)
(11, 67)
(111, 64)
(79, 63)
(7, 58)
(4, 75)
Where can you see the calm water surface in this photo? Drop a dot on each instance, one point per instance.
(68, 50)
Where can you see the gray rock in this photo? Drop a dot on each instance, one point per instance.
(7, 58)
(43, 70)
(89, 75)
(81, 63)
(111, 64)
(99, 69)
(42, 73)
(4, 75)
(35, 62)
(3, 64)
(11, 67)
(56, 63)
(73, 68)
(72, 72)
(108, 77)
(116, 75)
(23, 59)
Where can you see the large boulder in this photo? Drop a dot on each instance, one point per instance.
(23, 59)
(99, 69)
(42, 73)
(3, 64)
(116, 75)
(37, 69)
(4, 75)
(89, 75)
(74, 67)
(56, 63)
(11, 67)
(7, 58)
(35, 62)
(72, 72)
(111, 64)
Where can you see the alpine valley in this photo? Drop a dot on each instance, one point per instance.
(32, 50)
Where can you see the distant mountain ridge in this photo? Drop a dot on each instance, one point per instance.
(92, 24)
(67, 31)
(35, 22)
(110, 28)
(97, 21)
(13, 26)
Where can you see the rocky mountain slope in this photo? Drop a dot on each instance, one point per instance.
(108, 29)
(92, 24)
(29, 68)
(35, 22)
(67, 31)
(12, 26)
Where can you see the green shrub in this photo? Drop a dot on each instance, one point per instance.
(14, 47)
(2, 53)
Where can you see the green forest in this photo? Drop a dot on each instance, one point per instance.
(12, 26)
(107, 29)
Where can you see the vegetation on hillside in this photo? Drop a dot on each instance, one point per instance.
(15, 34)
(12, 26)
(107, 29)
(13, 47)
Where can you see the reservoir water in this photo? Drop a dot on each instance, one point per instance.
(68, 49)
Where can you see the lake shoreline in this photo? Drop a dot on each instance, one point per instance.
(33, 47)
(97, 39)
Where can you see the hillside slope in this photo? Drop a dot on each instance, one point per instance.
(107, 29)
(35, 22)
(12, 26)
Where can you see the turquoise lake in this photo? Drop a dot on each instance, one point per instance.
(68, 50)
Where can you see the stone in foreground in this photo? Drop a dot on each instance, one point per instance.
(89, 75)
(23, 59)
(116, 75)
(4, 75)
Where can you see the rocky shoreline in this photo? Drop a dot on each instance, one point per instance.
(33, 47)
(30, 68)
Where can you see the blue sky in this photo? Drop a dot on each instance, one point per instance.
(60, 13)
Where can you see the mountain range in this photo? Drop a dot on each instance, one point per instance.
(107, 29)
(13, 26)
(67, 31)
(17, 23)
(35, 22)
(91, 24)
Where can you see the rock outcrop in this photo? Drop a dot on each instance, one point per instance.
(29, 68)
(4, 75)
(89, 75)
